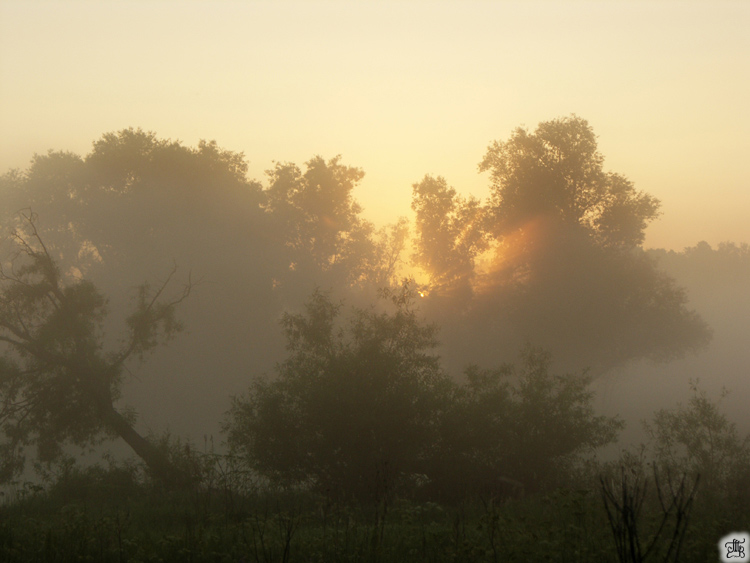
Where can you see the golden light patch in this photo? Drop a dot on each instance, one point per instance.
(503, 263)
(328, 222)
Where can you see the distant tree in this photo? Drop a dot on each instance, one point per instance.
(716, 277)
(136, 198)
(390, 242)
(449, 233)
(58, 384)
(556, 172)
(353, 410)
(698, 439)
(318, 221)
(553, 257)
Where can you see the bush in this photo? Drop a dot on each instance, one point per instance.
(518, 429)
(697, 439)
(354, 410)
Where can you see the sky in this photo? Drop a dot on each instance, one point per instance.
(399, 89)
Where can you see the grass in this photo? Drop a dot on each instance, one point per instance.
(112, 516)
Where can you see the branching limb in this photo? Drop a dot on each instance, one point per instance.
(150, 314)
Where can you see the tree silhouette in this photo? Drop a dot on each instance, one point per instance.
(449, 231)
(353, 410)
(317, 220)
(516, 428)
(557, 172)
(553, 257)
(58, 384)
(136, 202)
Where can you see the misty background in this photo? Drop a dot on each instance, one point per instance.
(407, 94)
(137, 206)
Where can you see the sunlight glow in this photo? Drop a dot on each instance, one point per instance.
(399, 89)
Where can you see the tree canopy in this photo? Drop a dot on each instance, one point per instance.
(353, 408)
(137, 203)
(557, 172)
(317, 220)
(449, 232)
(58, 384)
(553, 257)
(362, 406)
(517, 428)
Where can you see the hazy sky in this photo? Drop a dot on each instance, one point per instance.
(400, 89)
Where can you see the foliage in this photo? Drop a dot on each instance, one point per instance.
(553, 257)
(58, 384)
(134, 195)
(390, 242)
(557, 171)
(614, 306)
(698, 439)
(354, 407)
(518, 429)
(135, 202)
(449, 230)
(117, 520)
(362, 407)
(317, 218)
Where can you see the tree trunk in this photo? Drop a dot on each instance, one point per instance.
(156, 460)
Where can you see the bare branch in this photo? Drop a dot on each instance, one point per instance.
(135, 337)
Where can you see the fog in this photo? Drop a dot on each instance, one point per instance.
(374, 281)
(716, 281)
(494, 276)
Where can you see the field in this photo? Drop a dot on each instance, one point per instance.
(114, 515)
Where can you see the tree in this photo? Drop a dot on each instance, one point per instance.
(517, 427)
(389, 242)
(449, 231)
(717, 279)
(133, 196)
(590, 304)
(58, 384)
(698, 439)
(557, 173)
(116, 215)
(553, 258)
(135, 203)
(353, 409)
(318, 221)
(361, 407)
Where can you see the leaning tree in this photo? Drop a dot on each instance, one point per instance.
(59, 381)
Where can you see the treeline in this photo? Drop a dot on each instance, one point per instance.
(363, 408)
(552, 259)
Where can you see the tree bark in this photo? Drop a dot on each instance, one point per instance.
(156, 460)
